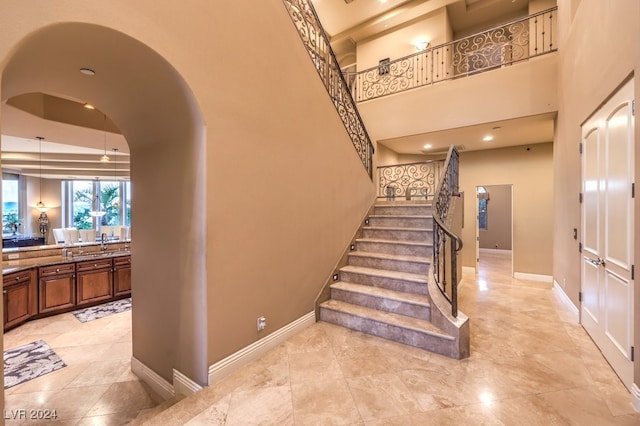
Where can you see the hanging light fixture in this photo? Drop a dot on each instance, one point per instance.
(98, 212)
(105, 157)
(115, 171)
(40, 205)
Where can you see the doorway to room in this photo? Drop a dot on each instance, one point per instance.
(607, 255)
(494, 226)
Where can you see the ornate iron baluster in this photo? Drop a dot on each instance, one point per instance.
(314, 38)
(503, 45)
(447, 188)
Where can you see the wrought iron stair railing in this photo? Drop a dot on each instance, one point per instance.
(316, 41)
(409, 181)
(500, 46)
(446, 244)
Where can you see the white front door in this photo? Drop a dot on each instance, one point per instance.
(607, 230)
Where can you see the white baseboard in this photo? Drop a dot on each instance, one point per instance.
(228, 365)
(153, 379)
(468, 270)
(497, 251)
(635, 397)
(533, 277)
(183, 385)
(566, 301)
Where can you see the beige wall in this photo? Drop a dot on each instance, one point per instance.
(584, 84)
(434, 28)
(529, 169)
(498, 232)
(244, 217)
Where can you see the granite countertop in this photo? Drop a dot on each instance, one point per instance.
(9, 266)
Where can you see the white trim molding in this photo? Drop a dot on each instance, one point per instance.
(635, 397)
(533, 277)
(153, 379)
(228, 365)
(468, 270)
(183, 385)
(566, 301)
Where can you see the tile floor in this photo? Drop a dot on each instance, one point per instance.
(530, 365)
(97, 386)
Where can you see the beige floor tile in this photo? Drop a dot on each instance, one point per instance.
(309, 366)
(381, 396)
(324, 401)
(122, 397)
(262, 406)
(101, 372)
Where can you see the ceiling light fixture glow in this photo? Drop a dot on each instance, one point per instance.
(427, 146)
(87, 71)
(488, 138)
(87, 105)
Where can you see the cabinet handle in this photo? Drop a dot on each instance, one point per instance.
(95, 265)
(4, 291)
(18, 278)
(57, 269)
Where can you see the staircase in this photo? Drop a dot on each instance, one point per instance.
(383, 289)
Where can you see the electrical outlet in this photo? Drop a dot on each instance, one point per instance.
(261, 323)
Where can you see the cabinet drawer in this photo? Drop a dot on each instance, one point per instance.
(122, 261)
(92, 265)
(63, 268)
(16, 277)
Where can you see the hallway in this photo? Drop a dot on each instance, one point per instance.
(530, 365)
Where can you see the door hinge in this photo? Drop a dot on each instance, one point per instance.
(633, 108)
(633, 190)
(580, 247)
(580, 197)
(633, 271)
(580, 147)
(579, 296)
(633, 355)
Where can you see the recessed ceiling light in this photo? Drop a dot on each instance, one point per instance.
(87, 71)
(427, 146)
(87, 105)
(488, 138)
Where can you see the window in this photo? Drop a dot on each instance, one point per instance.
(10, 203)
(82, 197)
(483, 204)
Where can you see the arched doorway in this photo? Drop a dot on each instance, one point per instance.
(158, 115)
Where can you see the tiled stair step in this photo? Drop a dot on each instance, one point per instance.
(411, 264)
(403, 209)
(404, 248)
(424, 235)
(382, 299)
(399, 328)
(401, 221)
(392, 280)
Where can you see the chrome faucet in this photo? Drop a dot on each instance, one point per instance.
(103, 239)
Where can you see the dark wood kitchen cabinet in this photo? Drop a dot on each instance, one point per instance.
(57, 288)
(94, 281)
(20, 297)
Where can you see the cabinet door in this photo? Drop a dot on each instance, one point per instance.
(20, 297)
(17, 303)
(95, 281)
(57, 292)
(122, 276)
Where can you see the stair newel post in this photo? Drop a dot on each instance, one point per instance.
(454, 279)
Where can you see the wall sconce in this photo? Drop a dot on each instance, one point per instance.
(422, 45)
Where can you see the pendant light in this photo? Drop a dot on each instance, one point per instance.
(105, 157)
(115, 170)
(40, 205)
(97, 212)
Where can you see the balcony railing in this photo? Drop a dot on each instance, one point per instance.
(446, 244)
(316, 41)
(409, 181)
(498, 47)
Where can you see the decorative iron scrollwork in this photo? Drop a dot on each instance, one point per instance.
(317, 44)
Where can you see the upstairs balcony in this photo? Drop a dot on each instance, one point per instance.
(498, 47)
